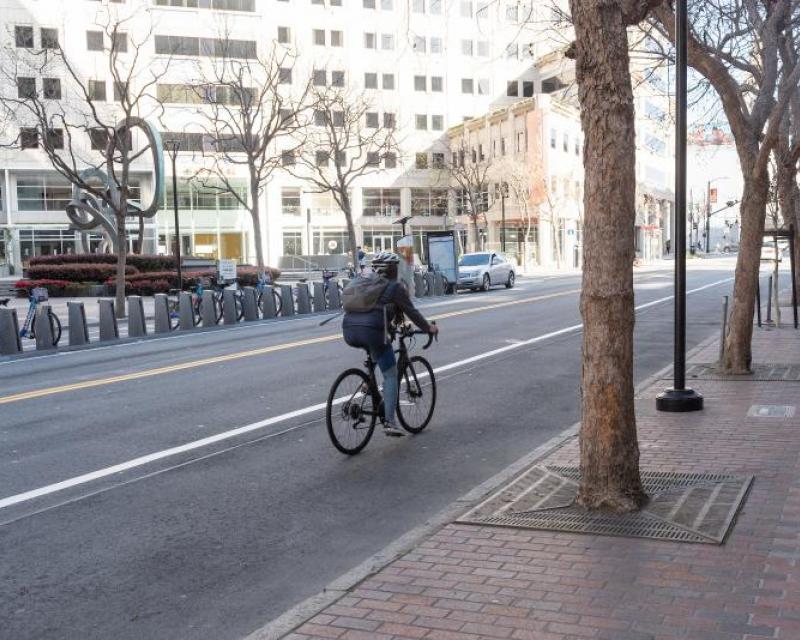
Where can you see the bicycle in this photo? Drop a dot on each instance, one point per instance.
(35, 296)
(328, 282)
(263, 285)
(355, 402)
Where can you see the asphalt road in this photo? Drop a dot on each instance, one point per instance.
(186, 488)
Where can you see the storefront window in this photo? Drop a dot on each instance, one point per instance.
(290, 203)
(381, 202)
(45, 242)
(330, 242)
(375, 241)
(292, 243)
(196, 197)
(428, 202)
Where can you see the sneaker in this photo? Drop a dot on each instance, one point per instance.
(393, 430)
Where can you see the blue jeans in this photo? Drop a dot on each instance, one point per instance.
(384, 358)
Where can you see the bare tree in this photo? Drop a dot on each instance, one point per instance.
(608, 442)
(736, 46)
(249, 110)
(94, 143)
(525, 189)
(341, 146)
(468, 171)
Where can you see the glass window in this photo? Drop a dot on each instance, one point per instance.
(319, 118)
(284, 35)
(418, 6)
(369, 4)
(284, 75)
(553, 138)
(23, 37)
(381, 202)
(338, 118)
(119, 42)
(419, 44)
(387, 42)
(467, 85)
(45, 193)
(512, 12)
(287, 158)
(421, 160)
(370, 80)
(94, 40)
(420, 83)
(322, 158)
(51, 88)
(337, 39)
(337, 78)
(483, 86)
(435, 7)
(370, 41)
(512, 89)
(319, 37)
(527, 88)
(437, 123)
(388, 81)
(437, 83)
(466, 47)
(26, 88)
(390, 160)
(97, 90)
(389, 120)
(372, 119)
(437, 160)
(421, 121)
(512, 51)
(49, 38)
(436, 45)
(466, 8)
(331, 242)
(320, 77)
(387, 5)
(292, 243)
(428, 202)
(290, 201)
(483, 48)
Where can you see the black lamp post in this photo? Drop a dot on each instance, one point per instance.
(173, 146)
(679, 398)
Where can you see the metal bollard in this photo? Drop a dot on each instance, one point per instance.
(136, 323)
(724, 328)
(303, 298)
(268, 308)
(249, 304)
(429, 284)
(319, 296)
(758, 301)
(78, 332)
(229, 312)
(334, 298)
(208, 309)
(769, 301)
(108, 321)
(10, 342)
(419, 285)
(287, 300)
(43, 328)
(163, 323)
(186, 318)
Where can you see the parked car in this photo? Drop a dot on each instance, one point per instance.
(484, 270)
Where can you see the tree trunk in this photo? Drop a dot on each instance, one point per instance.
(351, 229)
(255, 214)
(122, 255)
(608, 443)
(477, 238)
(738, 356)
(141, 235)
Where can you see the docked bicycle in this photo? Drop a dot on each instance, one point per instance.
(36, 296)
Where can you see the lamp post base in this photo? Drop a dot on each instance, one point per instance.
(679, 401)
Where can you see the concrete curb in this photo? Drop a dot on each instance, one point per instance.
(338, 588)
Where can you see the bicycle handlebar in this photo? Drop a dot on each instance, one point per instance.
(416, 332)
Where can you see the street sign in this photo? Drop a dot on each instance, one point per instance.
(713, 195)
(227, 269)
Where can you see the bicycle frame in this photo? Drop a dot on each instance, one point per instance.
(26, 326)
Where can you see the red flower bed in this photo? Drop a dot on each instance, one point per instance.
(144, 263)
(96, 272)
(54, 287)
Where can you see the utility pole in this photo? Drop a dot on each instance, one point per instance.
(174, 146)
(680, 398)
(708, 216)
(503, 191)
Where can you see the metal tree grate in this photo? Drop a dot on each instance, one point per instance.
(684, 507)
(761, 372)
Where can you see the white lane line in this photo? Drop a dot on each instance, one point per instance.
(227, 435)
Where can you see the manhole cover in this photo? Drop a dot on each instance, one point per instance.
(761, 372)
(771, 411)
(684, 507)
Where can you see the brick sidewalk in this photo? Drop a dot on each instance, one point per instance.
(470, 582)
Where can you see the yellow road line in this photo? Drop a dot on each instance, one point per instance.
(149, 373)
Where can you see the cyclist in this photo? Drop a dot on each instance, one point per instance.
(371, 303)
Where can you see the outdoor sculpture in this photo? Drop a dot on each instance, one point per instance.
(87, 211)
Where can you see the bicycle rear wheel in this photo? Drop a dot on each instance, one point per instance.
(417, 398)
(276, 294)
(55, 327)
(350, 413)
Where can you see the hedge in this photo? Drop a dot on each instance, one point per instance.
(95, 272)
(54, 287)
(143, 263)
(146, 284)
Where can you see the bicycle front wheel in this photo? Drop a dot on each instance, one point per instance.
(350, 413)
(417, 397)
(55, 327)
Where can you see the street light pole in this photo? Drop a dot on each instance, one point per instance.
(708, 217)
(503, 187)
(679, 398)
(174, 146)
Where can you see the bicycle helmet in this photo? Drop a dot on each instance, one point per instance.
(383, 261)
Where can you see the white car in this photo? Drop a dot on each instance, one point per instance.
(770, 252)
(484, 270)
